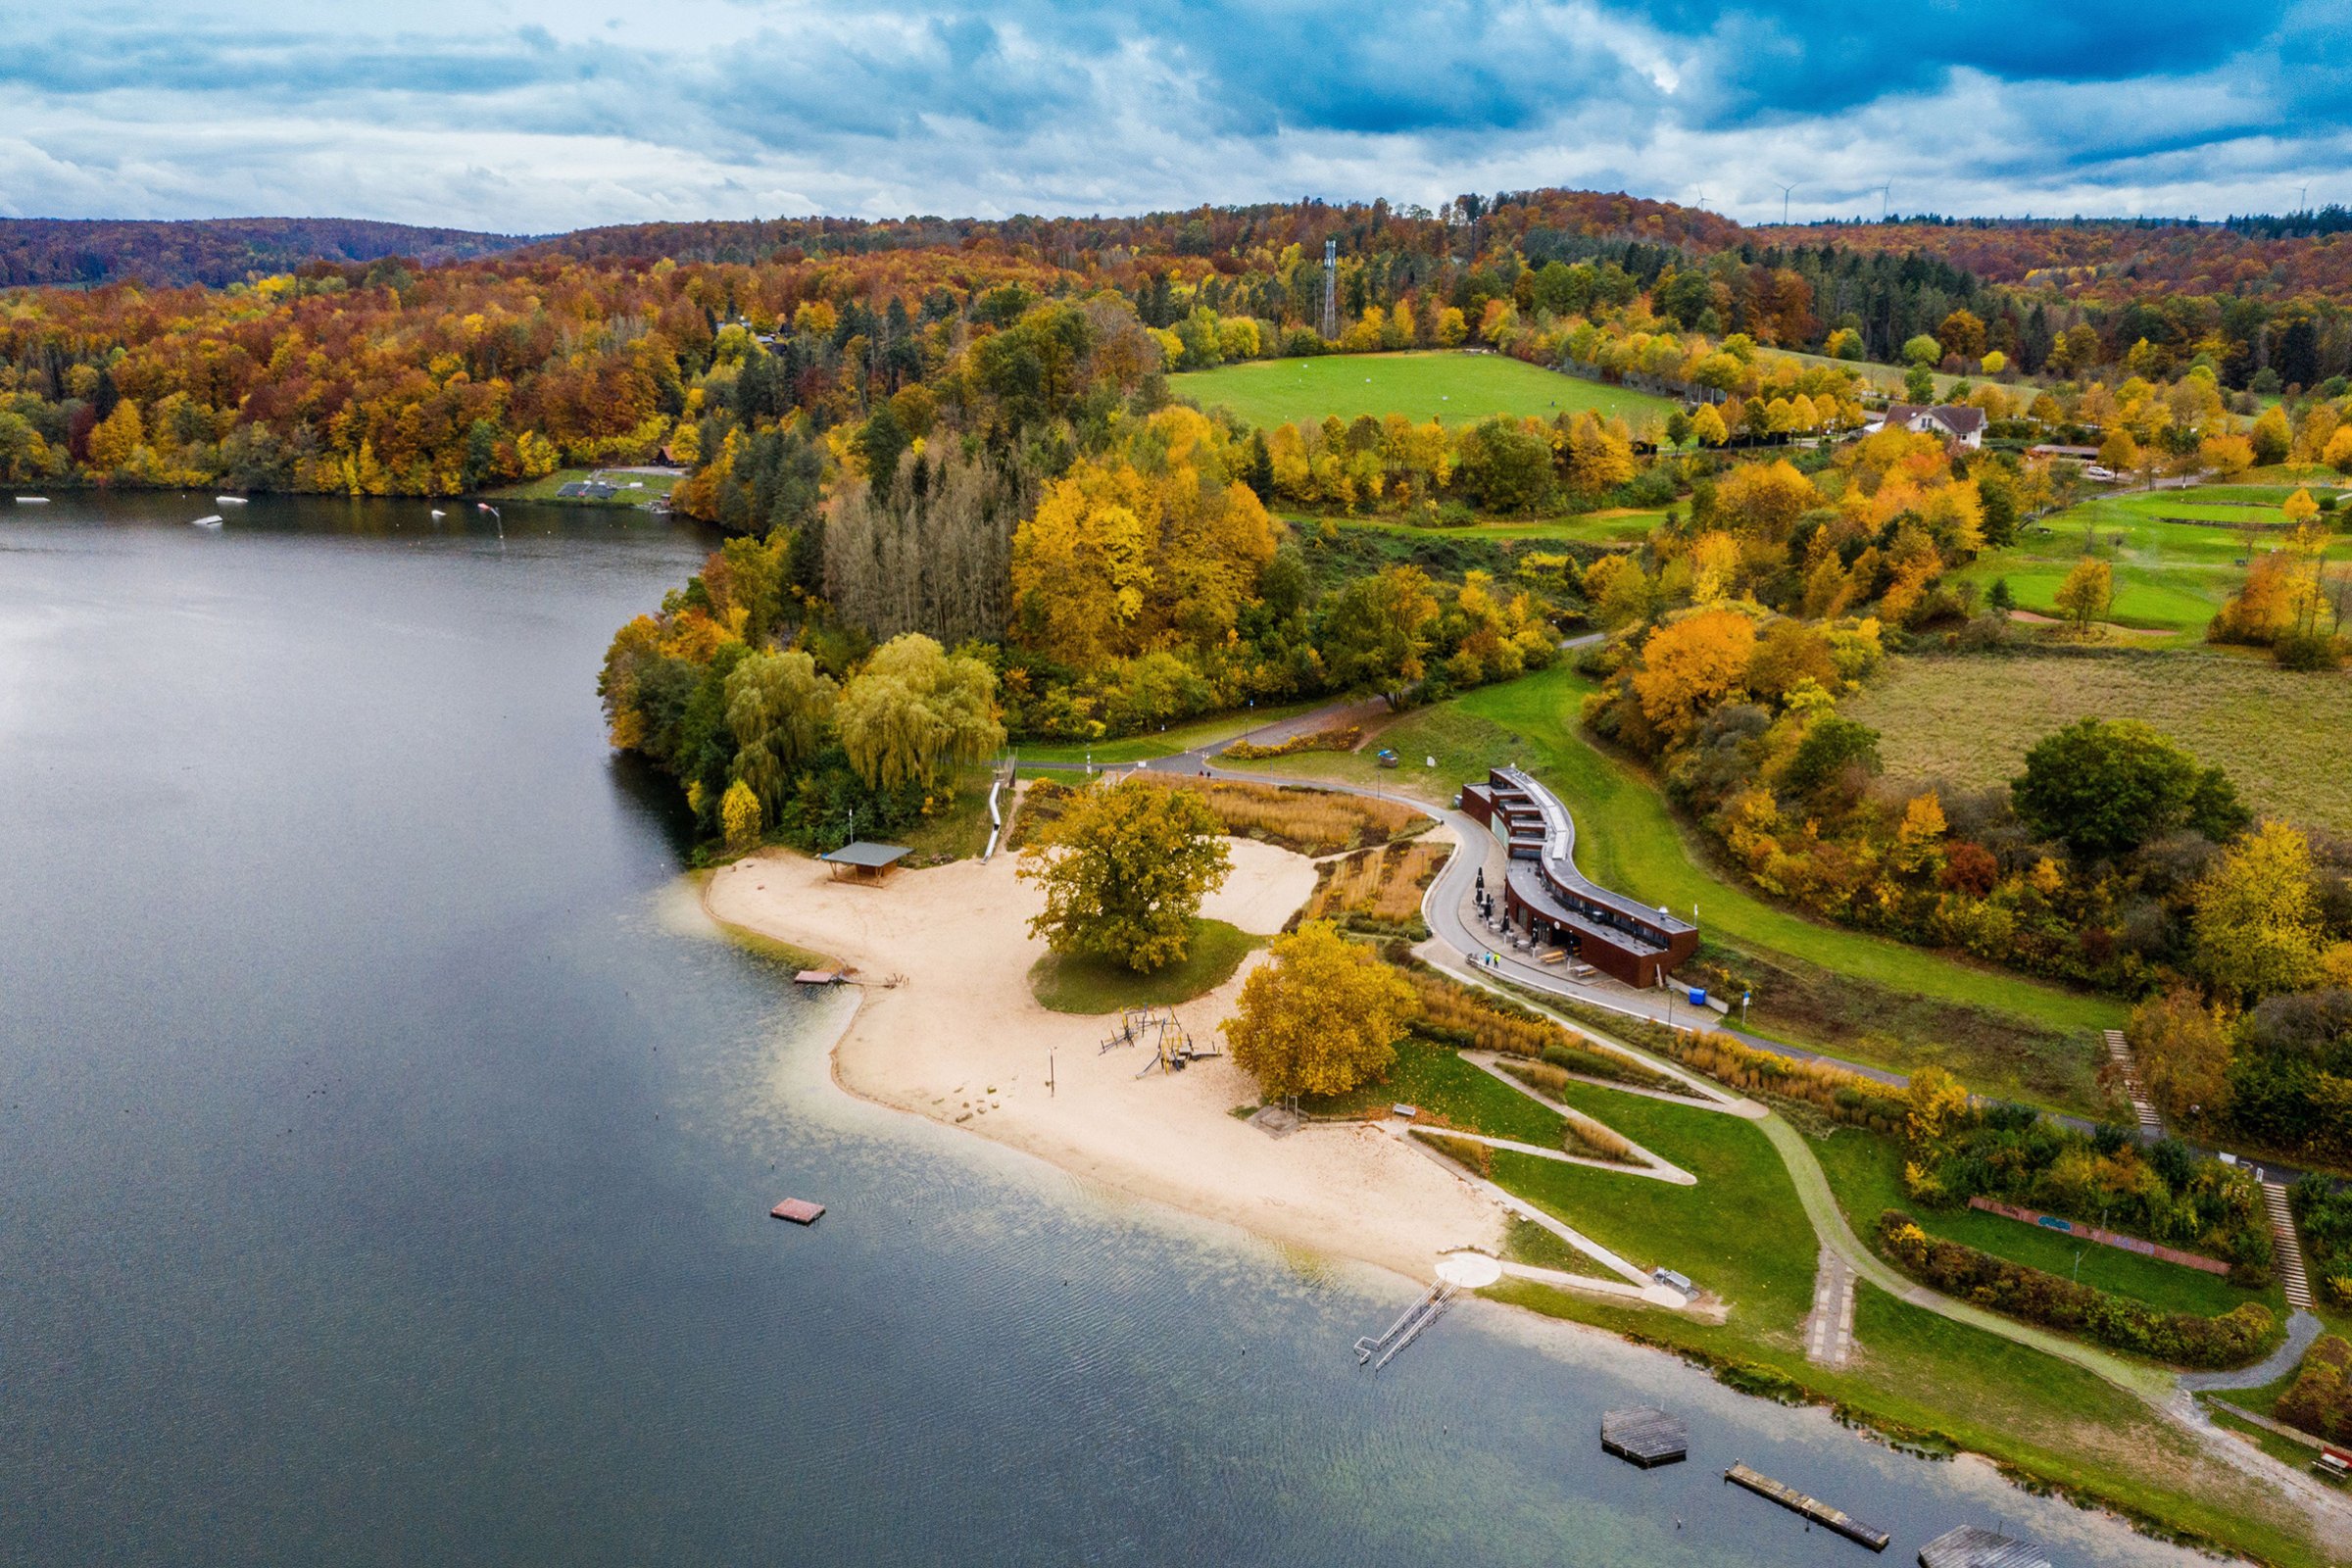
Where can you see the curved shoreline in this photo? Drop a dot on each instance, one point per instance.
(949, 1031)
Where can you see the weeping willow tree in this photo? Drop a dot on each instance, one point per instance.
(929, 551)
(915, 710)
(779, 707)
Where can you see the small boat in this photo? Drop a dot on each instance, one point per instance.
(228, 501)
(438, 513)
(213, 521)
(33, 501)
(798, 1210)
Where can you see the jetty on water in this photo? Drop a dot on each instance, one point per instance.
(1406, 1329)
(1813, 1509)
(1975, 1546)
(798, 1210)
(1646, 1435)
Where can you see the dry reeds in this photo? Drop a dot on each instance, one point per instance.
(1310, 821)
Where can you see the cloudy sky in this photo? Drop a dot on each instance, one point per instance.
(528, 115)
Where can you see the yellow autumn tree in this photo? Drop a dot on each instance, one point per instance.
(115, 438)
(1321, 1018)
(1692, 665)
(739, 818)
(1082, 564)
(2256, 915)
(2086, 592)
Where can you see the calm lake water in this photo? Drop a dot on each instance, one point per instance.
(385, 1154)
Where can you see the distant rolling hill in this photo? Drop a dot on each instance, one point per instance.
(216, 251)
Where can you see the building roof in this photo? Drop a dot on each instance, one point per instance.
(1960, 418)
(871, 856)
(1559, 859)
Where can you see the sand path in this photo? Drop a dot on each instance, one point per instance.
(960, 1040)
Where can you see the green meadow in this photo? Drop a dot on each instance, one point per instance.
(1454, 386)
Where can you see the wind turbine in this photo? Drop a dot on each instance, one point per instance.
(1884, 191)
(1784, 190)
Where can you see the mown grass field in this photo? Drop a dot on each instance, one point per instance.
(2285, 738)
(2175, 554)
(650, 486)
(1449, 385)
(1628, 839)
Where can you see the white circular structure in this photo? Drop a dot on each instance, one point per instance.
(1472, 1271)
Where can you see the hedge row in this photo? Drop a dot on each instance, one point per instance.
(2181, 1338)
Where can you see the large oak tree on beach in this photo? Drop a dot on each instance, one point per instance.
(1124, 871)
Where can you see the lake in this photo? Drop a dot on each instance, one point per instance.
(386, 1150)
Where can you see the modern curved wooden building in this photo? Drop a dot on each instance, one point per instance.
(1548, 899)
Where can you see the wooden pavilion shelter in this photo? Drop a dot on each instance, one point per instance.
(862, 860)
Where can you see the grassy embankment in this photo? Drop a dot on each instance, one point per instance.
(1076, 983)
(1858, 996)
(2175, 554)
(2285, 738)
(1921, 1377)
(1456, 387)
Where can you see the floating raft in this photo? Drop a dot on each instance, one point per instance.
(1813, 1509)
(1646, 1435)
(798, 1210)
(1975, 1546)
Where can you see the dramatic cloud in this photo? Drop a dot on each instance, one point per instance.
(522, 115)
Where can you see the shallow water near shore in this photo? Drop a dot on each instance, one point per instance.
(385, 1152)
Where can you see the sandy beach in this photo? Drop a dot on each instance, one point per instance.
(957, 1038)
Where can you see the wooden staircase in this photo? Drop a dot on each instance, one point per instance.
(2287, 1246)
(2119, 1050)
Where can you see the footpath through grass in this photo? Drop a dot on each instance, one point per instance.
(1456, 387)
(1075, 983)
(1865, 1172)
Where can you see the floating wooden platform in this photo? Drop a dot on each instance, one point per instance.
(1813, 1509)
(798, 1210)
(1975, 1546)
(1646, 1435)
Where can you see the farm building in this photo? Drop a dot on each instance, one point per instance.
(1547, 898)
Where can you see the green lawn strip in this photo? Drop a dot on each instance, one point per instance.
(1454, 386)
(1739, 1231)
(544, 488)
(1865, 1171)
(957, 831)
(1176, 739)
(1442, 1085)
(1071, 982)
(1616, 526)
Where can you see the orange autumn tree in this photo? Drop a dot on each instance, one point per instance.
(1689, 665)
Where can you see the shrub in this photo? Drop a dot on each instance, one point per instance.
(1573, 1057)
(2308, 650)
(1464, 1151)
(2181, 1338)
(1321, 739)
(2319, 1399)
(1846, 1096)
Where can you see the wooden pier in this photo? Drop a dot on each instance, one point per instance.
(1646, 1435)
(798, 1210)
(1975, 1546)
(1813, 1509)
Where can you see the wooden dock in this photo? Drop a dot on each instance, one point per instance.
(798, 1210)
(1975, 1546)
(1813, 1509)
(1646, 1435)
